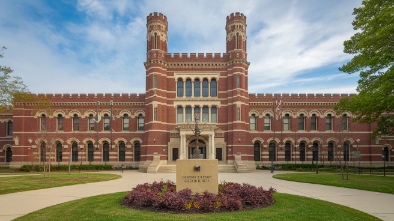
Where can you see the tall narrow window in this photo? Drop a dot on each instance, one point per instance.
(301, 122)
(238, 113)
(126, 122)
(197, 110)
(59, 152)
(330, 151)
(106, 152)
(137, 151)
(43, 122)
(344, 122)
(90, 152)
(74, 152)
(10, 128)
(237, 41)
(302, 151)
(122, 152)
(253, 122)
(155, 81)
(386, 154)
(267, 122)
(272, 151)
(59, 122)
(179, 114)
(205, 114)
(91, 122)
(106, 122)
(214, 115)
(214, 90)
(205, 88)
(189, 114)
(155, 114)
(179, 88)
(257, 152)
(315, 151)
(141, 122)
(313, 122)
(188, 87)
(238, 81)
(346, 149)
(197, 89)
(155, 41)
(329, 122)
(43, 152)
(287, 151)
(286, 122)
(76, 122)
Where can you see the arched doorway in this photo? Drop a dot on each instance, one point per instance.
(257, 152)
(201, 146)
(8, 154)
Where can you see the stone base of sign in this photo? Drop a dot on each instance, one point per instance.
(199, 175)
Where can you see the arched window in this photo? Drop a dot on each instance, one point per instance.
(141, 122)
(43, 152)
(257, 153)
(329, 122)
(137, 151)
(315, 151)
(286, 122)
(238, 81)
(90, 152)
(155, 41)
(179, 114)
(197, 89)
(8, 154)
(253, 125)
(346, 149)
(106, 152)
(272, 151)
(59, 122)
(10, 128)
(106, 122)
(205, 114)
(344, 122)
(267, 122)
(214, 90)
(287, 151)
(205, 88)
(330, 151)
(43, 122)
(76, 122)
(179, 88)
(188, 87)
(155, 81)
(91, 122)
(126, 122)
(59, 152)
(302, 151)
(122, 152)
(74, 152)
(237, 41)
(313, 122)
(301, 122)
(214, 115)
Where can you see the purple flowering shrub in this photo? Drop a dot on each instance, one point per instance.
(162, 196)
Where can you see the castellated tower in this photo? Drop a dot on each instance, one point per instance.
(156, 86)
(237, 76)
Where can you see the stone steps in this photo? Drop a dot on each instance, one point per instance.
(222, 168)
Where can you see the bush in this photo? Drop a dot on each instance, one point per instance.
(231, 197)
(39, 168)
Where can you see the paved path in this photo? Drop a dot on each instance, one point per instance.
(18, 204)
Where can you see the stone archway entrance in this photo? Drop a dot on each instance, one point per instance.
(201, 146)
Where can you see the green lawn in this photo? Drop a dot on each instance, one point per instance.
(362, 182)
(27, 181)
(287, 207)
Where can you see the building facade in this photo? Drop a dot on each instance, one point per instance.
(154, 129)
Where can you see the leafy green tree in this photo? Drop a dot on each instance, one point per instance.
(373, 50)
(9, 86)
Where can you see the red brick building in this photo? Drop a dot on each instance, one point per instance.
(154, 129)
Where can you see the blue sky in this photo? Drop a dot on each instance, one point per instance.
(91, 46)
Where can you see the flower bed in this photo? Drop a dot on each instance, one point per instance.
(162, 196)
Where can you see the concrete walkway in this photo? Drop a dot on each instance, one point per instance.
(18, 204)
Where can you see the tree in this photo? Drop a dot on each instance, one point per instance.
(9, 86)
(373, 50)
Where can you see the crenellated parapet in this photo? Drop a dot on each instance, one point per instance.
(297, 97)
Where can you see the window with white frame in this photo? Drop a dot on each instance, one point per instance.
(267, 122)
(328, 122)
(253, 122)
